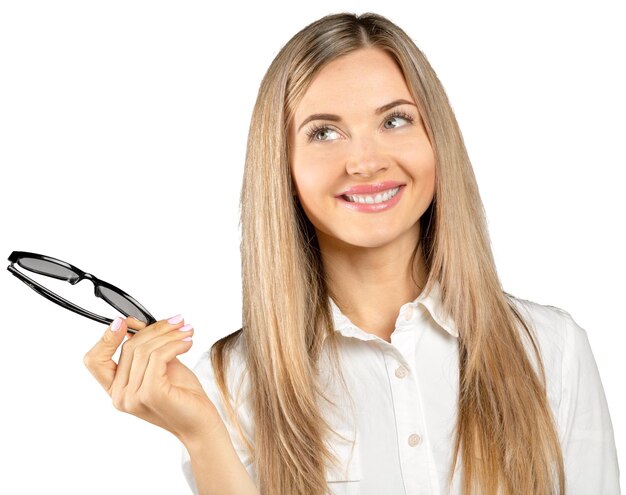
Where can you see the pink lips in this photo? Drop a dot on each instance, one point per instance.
(373, 207)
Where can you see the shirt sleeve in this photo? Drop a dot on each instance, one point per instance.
(585, 427)
(204, 371)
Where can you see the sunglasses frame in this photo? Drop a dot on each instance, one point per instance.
(16, 256)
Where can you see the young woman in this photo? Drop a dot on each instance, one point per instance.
(379, 353)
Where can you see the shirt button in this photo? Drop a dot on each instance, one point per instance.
(408, 314)
(414, 439)
(401, 372)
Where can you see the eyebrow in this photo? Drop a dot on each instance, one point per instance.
(336, 118)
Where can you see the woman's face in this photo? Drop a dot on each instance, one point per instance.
(360, 143)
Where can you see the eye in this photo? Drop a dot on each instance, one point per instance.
(316, 131)
(393, 116)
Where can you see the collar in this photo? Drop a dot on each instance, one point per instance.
(431, 301)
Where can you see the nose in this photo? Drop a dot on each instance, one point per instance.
(366, 158)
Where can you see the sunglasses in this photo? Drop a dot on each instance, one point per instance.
(61, 270)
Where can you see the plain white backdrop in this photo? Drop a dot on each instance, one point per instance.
(123, 128)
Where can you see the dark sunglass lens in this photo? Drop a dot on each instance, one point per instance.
(47, 268)
(123, 304)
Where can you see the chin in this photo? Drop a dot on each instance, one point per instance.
(368, 241)
(355, 237)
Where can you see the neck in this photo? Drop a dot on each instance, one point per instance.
(369, 285)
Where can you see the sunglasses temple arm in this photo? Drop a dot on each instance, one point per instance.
(55, 298)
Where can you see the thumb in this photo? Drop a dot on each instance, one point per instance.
(98, 359)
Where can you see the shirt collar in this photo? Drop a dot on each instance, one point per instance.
(431, 301)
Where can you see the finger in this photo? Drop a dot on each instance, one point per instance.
(150, 332)
(155, 384)
(144, 352)
(135, 323)
(98, 359)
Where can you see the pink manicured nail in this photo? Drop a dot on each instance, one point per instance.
(117, 323)
(186, 328)
(175, 319)
(187, 339)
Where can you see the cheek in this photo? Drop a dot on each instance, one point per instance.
(421, 165)
(312, 179)
(429, 170)
(309, 186)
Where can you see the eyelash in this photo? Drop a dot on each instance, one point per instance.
(310, 134)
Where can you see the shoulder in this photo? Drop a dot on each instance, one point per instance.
(543, 313)
(562, 343)
(554, 327)
(234, 368)
(560, 337)
(234, 360)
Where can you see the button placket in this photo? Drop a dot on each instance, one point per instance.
(408, 413)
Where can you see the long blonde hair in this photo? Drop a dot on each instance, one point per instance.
(505, 431)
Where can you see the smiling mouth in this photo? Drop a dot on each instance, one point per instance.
(371, 199)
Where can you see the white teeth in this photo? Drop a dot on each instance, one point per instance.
(378, 198)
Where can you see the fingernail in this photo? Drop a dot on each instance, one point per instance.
(117, 323)
(186, 328)
(175, 319)
(187, 339)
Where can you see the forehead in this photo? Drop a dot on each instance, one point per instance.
(365, 77)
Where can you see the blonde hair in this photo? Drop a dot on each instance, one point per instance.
(505, 431)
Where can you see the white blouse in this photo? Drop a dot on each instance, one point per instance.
(405, 398)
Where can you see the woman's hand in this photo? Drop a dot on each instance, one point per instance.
(149, 381)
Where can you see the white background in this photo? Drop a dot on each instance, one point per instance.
(123, 127)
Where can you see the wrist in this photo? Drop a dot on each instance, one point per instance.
(216, 466)
(203, 436)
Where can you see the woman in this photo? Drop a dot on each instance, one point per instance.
(379, 352)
